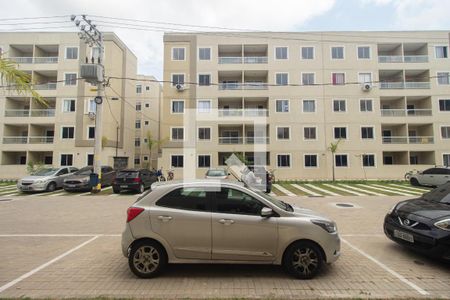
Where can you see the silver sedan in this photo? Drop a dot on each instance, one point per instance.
(223, 222)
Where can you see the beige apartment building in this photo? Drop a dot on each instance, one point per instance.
(281, 100)
(62, 134)
(148, 95)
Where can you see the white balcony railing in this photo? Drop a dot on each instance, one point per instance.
(408, 140)
(43, 112)
(392, 85)
(256, 112)
(417, 85)
(405, 85)
(420, 140)
(255, 60)
(405, 112)
(41, 139)
(35, 60)
(45, 86)
(401, 58)
(21, 60)
(230, 112)
(230, 60)
(418, 112)
(239, 112)
(17, 112)
(245, 60)
(230, 140)
(243, 86)
(390, 59)
(415, 58)
(257, 140)
(15, 140)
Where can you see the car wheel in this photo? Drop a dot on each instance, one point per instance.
(141, 188)
(147, 259)
(51, 187)
(303, 260)
(414, 182)
(116, 190)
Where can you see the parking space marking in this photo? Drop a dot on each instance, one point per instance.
(388, 188)
(283, 190)
(410, 187)
(383, 188)
(327, 192)
(58, 194)
(6, 188)
(387, 269)
(361, 190)
(344, 190)
(303, 189)
(43, 266)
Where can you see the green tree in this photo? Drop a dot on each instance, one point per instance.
(333, 149)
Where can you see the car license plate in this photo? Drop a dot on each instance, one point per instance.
(71, 185)
(124, 186)
(25, 188)
(404, 236)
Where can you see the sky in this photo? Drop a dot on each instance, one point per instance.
(267, 15)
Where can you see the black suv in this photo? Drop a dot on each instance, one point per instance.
(133, 179)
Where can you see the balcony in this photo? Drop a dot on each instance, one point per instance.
(28, 113)
(408, 140)
(403, 53)
(392, 85)
(17, 113)
(35, 60)
(40, 139)
(15, 140)
(28, 140)
(243, 54)
(405, 112)
(243, 86)
(401, 59)
(231, 140)
(45, 86)
(257, 140)
(417, 85)
(43, 112)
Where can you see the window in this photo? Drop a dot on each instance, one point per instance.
(146, 123)
(145, 157)
(138, 89)
(340, 132)
(338, 78)
(177, 106)
(90, 160)
(282, 105)
(309, 106)
(364, 77)
(91, 106)
(138, 106)
(178, 53)
(367, 132)
(281, 53)
(204, 133)
(147, 88)
(365, 105)
(147, 105)
(187, 199)
(177, 161)
(204, 161)
(204, 53)
(341, 160)
(91, 132)
(204, 79)
(48, 160)
(137, 142)
(308, 78)
(310, 160)
(204, 106)
(137, 124)
(137, 161)
(445, 132)
(368, 160)
(337, 52)
(67, 132)
(309, 133)
(70, 79)
(66, 160)
(177, 133)
(231, 201)
(283, 133)
(307, 52)
(68, 105)
(71, 53)
(441, 51)
(443, 78)
(284, 160)
(177, 79)
(282, 79)
(446, 160)
(339, 106)
(444, 104)
(364, 52)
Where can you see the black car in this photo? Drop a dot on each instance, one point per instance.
(80, 180)
(422, 224)
(266, 177)
(133, 179)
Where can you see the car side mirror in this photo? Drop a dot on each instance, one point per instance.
(266, 212)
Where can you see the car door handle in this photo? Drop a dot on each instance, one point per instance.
(226, 221)
(164, 218)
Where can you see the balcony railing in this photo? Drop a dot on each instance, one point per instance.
(239, 112)
(35, 60)
(28, 113)
(247, 140)
(15, 140)
(408, 140)
(405, 85)
(392, 85)
(230, 140)
(243, 86)
(405, 112)
(401, 58)
(45, 86)
(28, 139)
(245, 60)
(257, 140)
(231, 112)
(43, 112)
(417, 85)
(41, 139)
(17, 113)
(256, 112)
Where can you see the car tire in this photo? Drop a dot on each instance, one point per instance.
(141, 188)
(414, 182)
(51, 187)
(303, 260)
(147, 259)
(116, 190)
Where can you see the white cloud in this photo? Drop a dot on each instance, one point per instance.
(270, 15)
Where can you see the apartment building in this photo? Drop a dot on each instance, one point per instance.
(62, 133)
(282, 99)
(147, 126)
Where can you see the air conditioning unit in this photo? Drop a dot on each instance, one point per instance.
(366, 87)
(179, 87)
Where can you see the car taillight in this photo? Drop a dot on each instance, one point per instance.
(137, 179)
(133, 212)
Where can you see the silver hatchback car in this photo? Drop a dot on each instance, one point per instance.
(224, 222)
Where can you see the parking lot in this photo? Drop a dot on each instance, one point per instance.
(69, 246)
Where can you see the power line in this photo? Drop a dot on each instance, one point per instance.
(34, 23)
(34, 28)
(34, 18)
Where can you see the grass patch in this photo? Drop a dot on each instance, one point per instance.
(277, 191)
(329, 188)
(293, 189)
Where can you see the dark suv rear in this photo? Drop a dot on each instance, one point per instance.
(133, 179)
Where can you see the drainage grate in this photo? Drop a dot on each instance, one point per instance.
(344, 205)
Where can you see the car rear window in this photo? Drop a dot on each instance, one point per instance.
(130, 174)
(216, 173)
(187, 199)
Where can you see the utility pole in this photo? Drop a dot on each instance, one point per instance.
(94, 73)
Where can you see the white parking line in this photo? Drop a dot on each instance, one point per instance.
(384, 189)
(58, 194)
(9, 195)
(387, 269)
(43, 266)
(344, 190)
(361, 190)
(410, 188)
(388, 188)
(303, 189)
(283, 190)
(6, 188)
(322, 190)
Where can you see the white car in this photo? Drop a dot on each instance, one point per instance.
(431, 177)
(47, 179)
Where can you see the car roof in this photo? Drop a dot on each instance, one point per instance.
(197, 183)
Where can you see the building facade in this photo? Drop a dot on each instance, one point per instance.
(62, 133)
(283, 99)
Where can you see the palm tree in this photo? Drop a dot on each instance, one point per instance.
(333, 149)
(20, 81)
